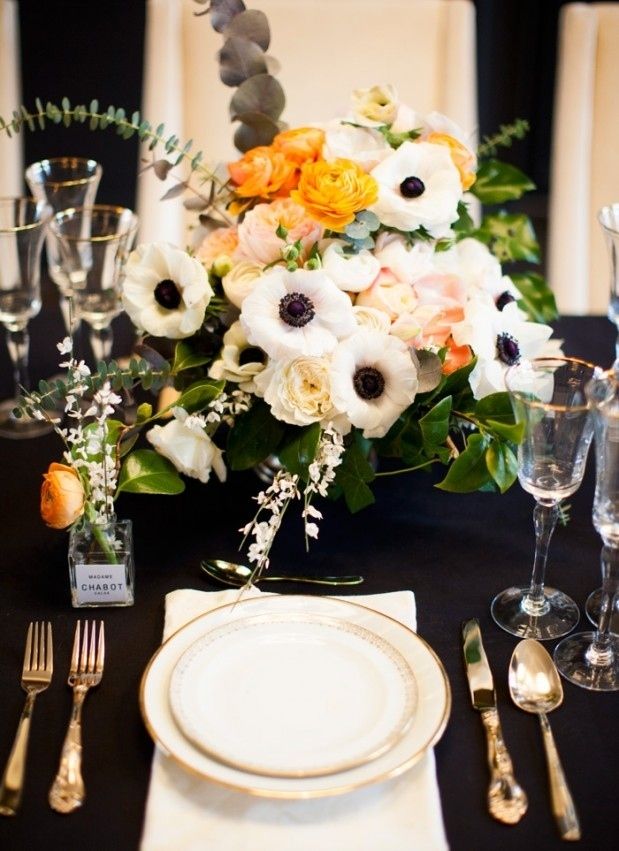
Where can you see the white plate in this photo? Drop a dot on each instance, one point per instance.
(292, 694)
(430, 719)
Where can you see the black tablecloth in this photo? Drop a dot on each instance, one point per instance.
(455, 552)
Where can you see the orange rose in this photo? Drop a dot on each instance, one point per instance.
(463, 159)
(301, 145)
(263, 172)
(62, 496)
(456, 357)
(332, 192)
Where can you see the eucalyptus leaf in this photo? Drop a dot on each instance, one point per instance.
(256, 129)
(430, 371)
(240, 60)
(498, 182)
(196, 204)
(144, 471)
(174, 191)
(262, 94)
(152, 357)
(223, 11)
(253, 25)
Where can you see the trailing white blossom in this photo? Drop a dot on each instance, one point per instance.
(322, 473)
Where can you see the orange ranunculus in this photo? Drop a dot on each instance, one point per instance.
(263, 172)
(300, 145)
(332, 192)
(456, 357)
(62, 496)
(463, 159)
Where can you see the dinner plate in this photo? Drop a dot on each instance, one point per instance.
(433, 697)
(292, 694)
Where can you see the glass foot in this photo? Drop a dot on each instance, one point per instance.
(592, 609)
(19, 428)
(558, 616)
(573, 658)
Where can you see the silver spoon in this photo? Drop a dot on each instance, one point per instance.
(237, 575)
(535, 686)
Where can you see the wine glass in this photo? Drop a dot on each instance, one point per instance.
(63, 182)
(94, 245)
(608, 217)
(22, 228)
(591, 659)
(548, 399)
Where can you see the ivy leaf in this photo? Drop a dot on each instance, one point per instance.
(187, 358)
(298, 453)
(260, 94)
(251, 24)
(496, 413)
(498, 182)
(435, 424)
(352, 476)
(510, 237)
(502, 465)
(255, 436)
(537, 297)
(240, 60)
(469, 471)
(223, 11)
(145, 471)
(198, 395)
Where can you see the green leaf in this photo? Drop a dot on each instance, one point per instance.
(144, 412)
(147, 472)
(261, 93)
(537, 297)
(469, 471)
(498, 182)
(255, 129)
(464, 223)
(185, 357)
(255, 436)
(253, 25)
(299, 452)
(502, 465)
(239, 60)
(199, 394)
(495, 412)
(352, 476)
(435, 424)
(510, 237)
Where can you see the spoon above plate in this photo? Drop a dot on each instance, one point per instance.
(237, 575)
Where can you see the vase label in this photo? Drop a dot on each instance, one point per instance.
(101, 583)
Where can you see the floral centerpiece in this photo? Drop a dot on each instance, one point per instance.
(340, 306)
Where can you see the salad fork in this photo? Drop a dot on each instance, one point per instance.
(36, 677)
(67, 791)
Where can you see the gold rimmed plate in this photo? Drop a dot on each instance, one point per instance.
(402, 747)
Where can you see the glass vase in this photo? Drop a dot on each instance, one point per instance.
(101, 567)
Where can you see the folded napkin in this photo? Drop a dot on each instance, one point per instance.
(185, 813)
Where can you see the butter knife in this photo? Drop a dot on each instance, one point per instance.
(507, 801)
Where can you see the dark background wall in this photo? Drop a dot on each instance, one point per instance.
(85, 49)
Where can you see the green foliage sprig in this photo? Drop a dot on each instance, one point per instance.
(503, 138)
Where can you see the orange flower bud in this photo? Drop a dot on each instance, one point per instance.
(62, 496)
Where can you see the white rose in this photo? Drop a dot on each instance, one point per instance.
(372, 317)
(375, 106)
(362, 145)
(240, 281)
(184, 442)
(352, 273)
(388, 295)
(298, 391)
(406, 263)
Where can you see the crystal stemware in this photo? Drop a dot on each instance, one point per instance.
(591, 659)
(63, 182)
(22, 228)
(548, 398)
(94, 245)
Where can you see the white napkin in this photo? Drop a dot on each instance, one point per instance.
(184, 813)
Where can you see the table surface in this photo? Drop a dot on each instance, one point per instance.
(455, 552)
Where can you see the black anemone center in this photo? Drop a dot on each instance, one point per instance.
(504, 299)
(508, 349)
(296, 309)
(167, 294)
(412, 187)
(252, 354)
(368, 382)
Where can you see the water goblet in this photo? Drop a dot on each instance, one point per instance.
(591, 659)
(94, 245)
(548, 399)
(22, 229)
(63, 182)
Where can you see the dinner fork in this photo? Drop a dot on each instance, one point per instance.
(36, 677)
(67, 791)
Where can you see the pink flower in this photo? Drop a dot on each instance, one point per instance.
(221, 241)
(258, 240)
(447, 295)
(388, 294)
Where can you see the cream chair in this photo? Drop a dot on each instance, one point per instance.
(11, 157)
(585, 155)
(326, 48)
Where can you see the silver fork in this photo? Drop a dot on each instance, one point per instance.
(67, 791)
(36, 676)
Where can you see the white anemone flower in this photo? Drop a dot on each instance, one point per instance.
(352, 273)
(474, 263)
(373, 380)
(500, 339)
(238, 361)
(165, 291)
(297, 313)
(418, 186)
(185, 443)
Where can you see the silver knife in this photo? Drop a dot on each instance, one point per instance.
(507, 801)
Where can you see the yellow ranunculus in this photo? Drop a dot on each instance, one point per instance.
(332, 192)
(463, 159)
(62, 496)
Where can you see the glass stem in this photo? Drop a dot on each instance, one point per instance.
(545, 520)
(18, 344)
(600, 652)
(101, 340)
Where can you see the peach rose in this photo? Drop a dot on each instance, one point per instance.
(332, 192)
(446, 294)
(263, 172)
(463, 159)
(221, 241)
(389, 295)
(258, 240)
(300, 145)
(62, 496)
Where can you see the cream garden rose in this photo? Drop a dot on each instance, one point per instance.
(298, 391)
(240, 281)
